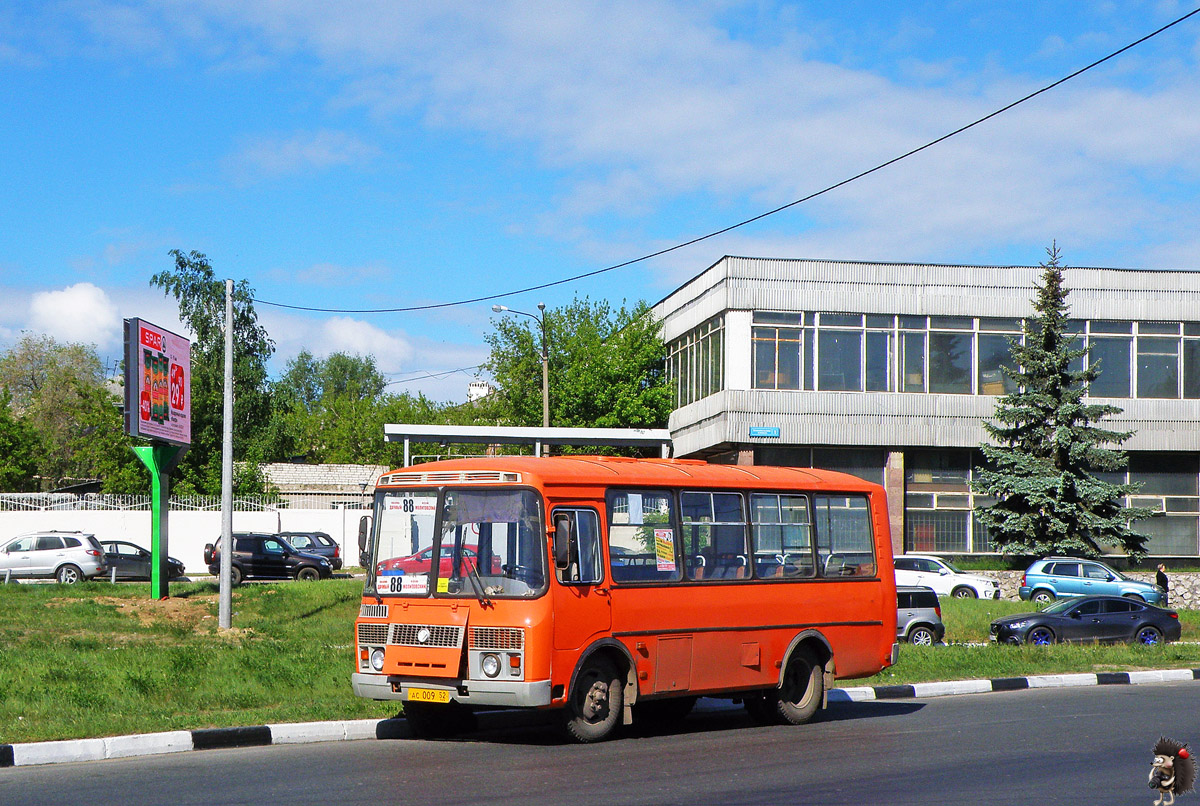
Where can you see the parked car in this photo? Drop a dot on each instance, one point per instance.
(944, 578)
(918, 616)
(1089, 619)
(68, 557)
(133, 562)
(1061, 577)
(266, 556)
(316, 543)
(422, 562)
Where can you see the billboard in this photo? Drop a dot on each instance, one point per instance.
(158, 383)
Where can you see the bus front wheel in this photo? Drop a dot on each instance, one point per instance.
(594, 708)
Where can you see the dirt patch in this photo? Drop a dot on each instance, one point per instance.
(193, 613)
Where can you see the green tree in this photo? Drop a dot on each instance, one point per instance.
(607, 367)
(334, 409)
(201, 298)
(59, 392)
(18, 451)
(1048, 448)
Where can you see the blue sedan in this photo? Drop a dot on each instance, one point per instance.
(1089, 619)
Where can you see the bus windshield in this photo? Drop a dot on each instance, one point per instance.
(495, 536)
(492, 543)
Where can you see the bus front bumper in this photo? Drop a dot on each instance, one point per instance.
(468, 692)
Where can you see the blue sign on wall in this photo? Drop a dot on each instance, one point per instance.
(764, 431)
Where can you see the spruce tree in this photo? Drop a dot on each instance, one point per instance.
(1048, 447)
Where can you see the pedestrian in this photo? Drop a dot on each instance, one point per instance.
(1161, 580)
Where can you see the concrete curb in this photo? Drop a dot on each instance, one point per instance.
(922, 690)
(146, 744)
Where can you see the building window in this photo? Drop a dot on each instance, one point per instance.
(1110, 355)
(695, 362)
(865, 463)
(777, 353)
(1157, 366)
(962, 355)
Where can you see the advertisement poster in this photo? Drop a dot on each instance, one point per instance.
(158, 383)
(664, 549)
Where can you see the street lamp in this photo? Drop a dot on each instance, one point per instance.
(541, 320)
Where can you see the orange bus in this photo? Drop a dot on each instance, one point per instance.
(620, 589)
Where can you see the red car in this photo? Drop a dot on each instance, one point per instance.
(422, 562)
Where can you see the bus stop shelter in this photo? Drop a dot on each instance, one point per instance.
(537, 437)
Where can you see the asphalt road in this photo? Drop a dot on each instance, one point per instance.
(1066, 746)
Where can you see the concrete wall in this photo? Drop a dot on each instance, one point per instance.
(188, 531)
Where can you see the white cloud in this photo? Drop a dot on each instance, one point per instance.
(271, 157)
(643, 103)
(346, 335)
(80, 313)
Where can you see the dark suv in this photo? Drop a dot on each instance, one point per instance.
(316, 543)
(264, 556)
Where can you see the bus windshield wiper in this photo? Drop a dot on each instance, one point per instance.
(476, 582)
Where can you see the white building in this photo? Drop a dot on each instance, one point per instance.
(888, 370)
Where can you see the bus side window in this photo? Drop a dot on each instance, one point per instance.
(782, 536)
(585, 566)
(714, 528)
(845, 542)
(642, 536)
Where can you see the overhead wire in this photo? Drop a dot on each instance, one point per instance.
(760, 216)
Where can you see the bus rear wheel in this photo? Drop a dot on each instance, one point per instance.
(596, 703)
(803, 688)
(797, 700)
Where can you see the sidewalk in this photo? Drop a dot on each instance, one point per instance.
(146, 744)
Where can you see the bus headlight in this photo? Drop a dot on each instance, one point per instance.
(377, 660)
(490, 664)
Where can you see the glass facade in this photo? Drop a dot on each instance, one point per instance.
(961, 355)
(939, 504)
(696, 363)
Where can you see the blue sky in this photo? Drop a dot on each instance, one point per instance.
(391, 154)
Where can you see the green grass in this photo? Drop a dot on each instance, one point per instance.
(967, 623)
(97, 659)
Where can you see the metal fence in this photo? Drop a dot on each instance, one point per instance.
(70, 502)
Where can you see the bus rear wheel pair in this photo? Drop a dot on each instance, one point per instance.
(799, 697)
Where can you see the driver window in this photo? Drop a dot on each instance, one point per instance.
(584, 567)
(273, 547)
(1088, 609)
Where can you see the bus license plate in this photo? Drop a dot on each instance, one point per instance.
(428, 695)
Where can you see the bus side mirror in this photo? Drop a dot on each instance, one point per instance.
(562, 542)
(364, 533)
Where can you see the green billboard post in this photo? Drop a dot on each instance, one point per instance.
(158, 407)
(160, 460)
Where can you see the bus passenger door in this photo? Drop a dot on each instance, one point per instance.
(582, 604)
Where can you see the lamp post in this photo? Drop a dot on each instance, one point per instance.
(541, 320)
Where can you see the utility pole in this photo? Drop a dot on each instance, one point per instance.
(225, 607)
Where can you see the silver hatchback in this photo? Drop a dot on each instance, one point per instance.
(68, 557)
(918, 616)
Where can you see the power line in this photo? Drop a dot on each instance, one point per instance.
(758, 217)
(434, 375)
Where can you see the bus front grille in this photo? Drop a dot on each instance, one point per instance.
(372, 633)
(426, 635)
(497, 638)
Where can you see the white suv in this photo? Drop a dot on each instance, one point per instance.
(68, 557)
(944, 578)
